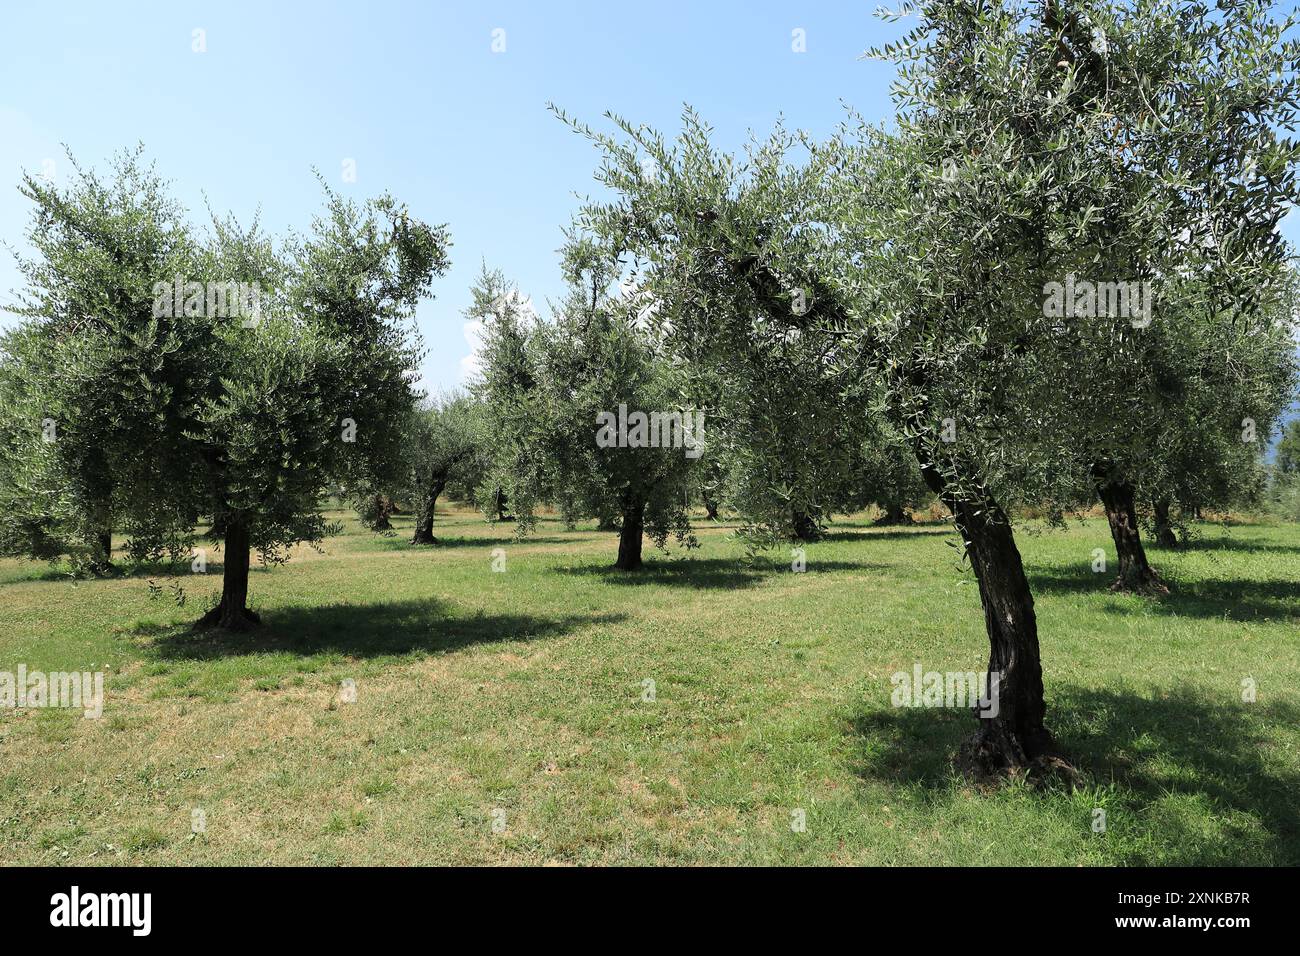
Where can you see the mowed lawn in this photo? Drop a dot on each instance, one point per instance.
(508, 717)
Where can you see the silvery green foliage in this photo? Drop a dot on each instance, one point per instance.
(185, 420)
(546, 383)
(1166, 165)
(785, 407)
(1021, 154)
(92, 379)
(506, 386)
(359, 275)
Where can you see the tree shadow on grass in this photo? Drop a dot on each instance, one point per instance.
(368, 630)
(403, 542)
(1222, 544)
(1176, 743)
(704, 573)
(869, 533)
(124, 570)
(1239, 599)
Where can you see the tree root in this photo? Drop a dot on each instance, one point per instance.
(1148, 586)
(994, 755)
(240, 619)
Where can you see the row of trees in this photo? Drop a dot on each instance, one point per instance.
(1140, 142)
(526, 433)
(876, 317)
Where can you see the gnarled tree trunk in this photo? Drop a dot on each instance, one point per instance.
(893, 514)
(424, 527)
(232, 613)
(500, 504)
(1012, 736)
(383, 513)
(1135, 572)
(1165, 536)
(102, 564)
(805, 528)
(629, 538)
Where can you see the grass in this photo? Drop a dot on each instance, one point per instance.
(563, 713)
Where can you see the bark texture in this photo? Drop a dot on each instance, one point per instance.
(1165, 536)
(629, 537)
(1135, 572)
(232, 614)
(424, 526)
(1012, 737)
(1012, 734)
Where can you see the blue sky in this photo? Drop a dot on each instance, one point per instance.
(414, 93)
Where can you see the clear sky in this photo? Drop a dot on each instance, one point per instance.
(415, 95)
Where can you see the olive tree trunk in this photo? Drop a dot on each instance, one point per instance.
(629, 536)
(805, 528)
(383, 513)
(232, 613)
(893, 514)
(424, 527)
(102, 563)
(1135, 572)
(1165, 536)
(1012, 735)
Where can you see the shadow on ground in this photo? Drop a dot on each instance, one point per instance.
(1240, 599)
(869, 533)
(367, 630)
(1175, 743)
(160, 571)
(402, 542)
(706, 573)
(1222, 544)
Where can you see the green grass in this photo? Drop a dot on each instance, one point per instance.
(501, 717)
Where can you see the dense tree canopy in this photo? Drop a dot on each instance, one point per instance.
(607, 432)
(171, 406)
(922, 257)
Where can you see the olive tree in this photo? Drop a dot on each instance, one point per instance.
(922, 254)
(94, 379)
(445, 444)
(607, 433)
(187, 408)
(316, 392)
